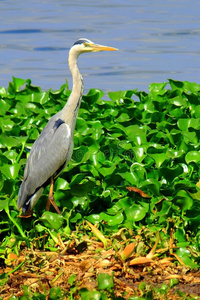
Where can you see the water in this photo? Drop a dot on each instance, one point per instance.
(156, 39)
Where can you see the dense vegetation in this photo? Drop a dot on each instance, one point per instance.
(135, 165)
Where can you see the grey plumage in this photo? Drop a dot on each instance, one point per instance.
(53, 149)
(46, 159)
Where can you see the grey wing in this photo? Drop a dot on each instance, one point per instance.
(48, 155)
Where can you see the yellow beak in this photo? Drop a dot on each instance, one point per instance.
(97, 48)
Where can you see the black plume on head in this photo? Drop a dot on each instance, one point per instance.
(81, 41)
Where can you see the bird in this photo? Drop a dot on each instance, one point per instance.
(53, 149)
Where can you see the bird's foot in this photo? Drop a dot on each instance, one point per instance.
(50, 201)
(26, 214)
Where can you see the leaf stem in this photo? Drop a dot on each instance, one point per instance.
(15, 223)
(18, 267)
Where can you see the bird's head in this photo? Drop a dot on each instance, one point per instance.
(85, 45)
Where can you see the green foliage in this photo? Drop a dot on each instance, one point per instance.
(105, 281)
(106, 287)
(149, 141)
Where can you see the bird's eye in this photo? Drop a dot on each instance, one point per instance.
(86, 45)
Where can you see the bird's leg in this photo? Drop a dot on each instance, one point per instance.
(50, 199)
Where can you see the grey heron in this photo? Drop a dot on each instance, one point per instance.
(53, 149)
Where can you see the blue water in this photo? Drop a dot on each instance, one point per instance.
(156, 39)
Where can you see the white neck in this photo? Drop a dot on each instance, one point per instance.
(71, 108)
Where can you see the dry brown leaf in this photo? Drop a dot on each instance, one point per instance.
(86, 264)
(141, 261)
(127, 252)
(188, 278)
(11, 258)
(98, 234)
(42, 270)
(166, 261)
(136, 190)
(30, 281)
(60, 242)
(174, 276)
(103, 263)
(151, 253)
(179, 259)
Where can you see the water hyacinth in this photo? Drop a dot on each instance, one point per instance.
(147, 142)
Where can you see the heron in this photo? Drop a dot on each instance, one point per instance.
(53, 149)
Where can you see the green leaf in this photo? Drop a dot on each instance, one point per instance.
(77, 178)
(197, 111)
(140, 153)
(124, 117)
(135, 213)
(183, 200)
(166, 205)
(4, 204)
(107, 171)
(178, 101)
(184, 255)
(3, 92)
(81, 154)
(117, 96)
(173, 282)
(157, 88)
(40, 228)
(72, 279)
(82, 126)
(105, 281)
(94, 218)
(159, 158)
(189, 137)
(1, 181)
(112, 220)
(180, 235)
(152, 186)
(17, 83)
(56, 293)
(184, 86)
(61, 184)
(11, 155)
(138, 172)
(77, 217)
(96, 129)
(184, 124)
(171, 173)
(8, 141)
(4, 106)
(41, 98)
(136, 134)
(91, 295)
(52, 220)
(10, 171)
(93, 96)
(192, 156)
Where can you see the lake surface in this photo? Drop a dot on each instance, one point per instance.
(156, 39)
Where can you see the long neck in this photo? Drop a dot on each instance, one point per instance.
(71, 108)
